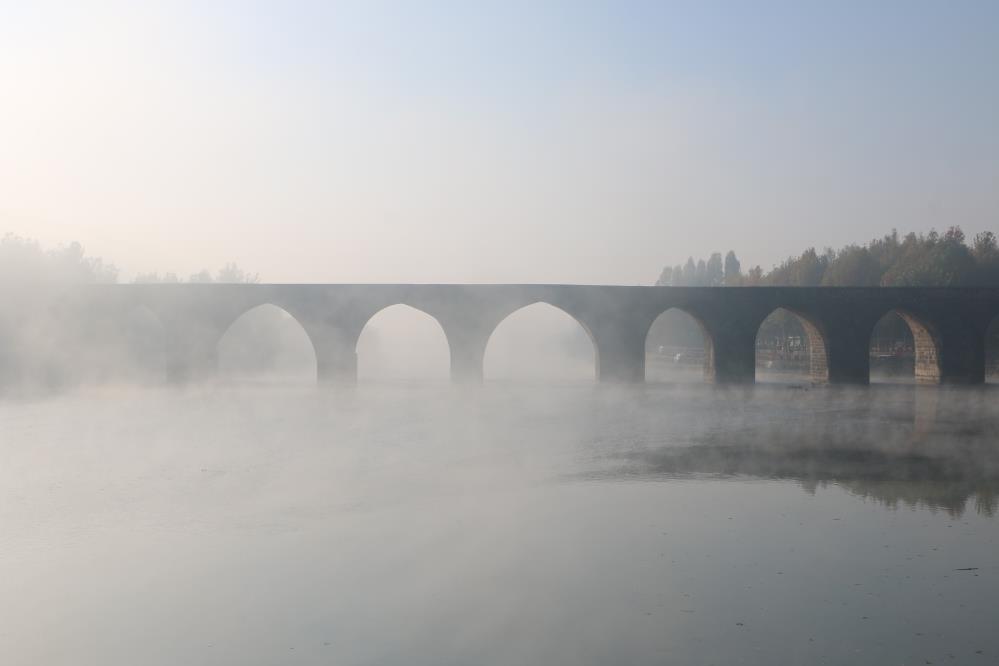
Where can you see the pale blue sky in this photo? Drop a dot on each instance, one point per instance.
(512, 141)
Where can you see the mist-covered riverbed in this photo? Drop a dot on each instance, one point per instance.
(500, 524)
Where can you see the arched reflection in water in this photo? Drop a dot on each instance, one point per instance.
(266, 344)
(401, 343)
(540, 342)
(677, 349)
(790, 348)
(903, 349)
(893, 479)
(899, 446)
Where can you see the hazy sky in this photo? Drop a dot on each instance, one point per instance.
(491, 142)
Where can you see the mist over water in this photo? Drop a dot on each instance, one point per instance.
(538, 517)
(507, 523)
(216, 216)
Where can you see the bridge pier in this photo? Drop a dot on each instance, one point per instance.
(336, 362)
(962, 355)
(334, 343)
(336, 368)
(466, 361)
(466, 370)
(190, 360)
(734, 357)
(848, 356)
(468, 329)
(618, 345)
(621, 363)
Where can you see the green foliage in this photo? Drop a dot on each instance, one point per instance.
(689, 272)
(701, 274)
(733, 270)
(854, 266)
(714, 275)
(804, 271)
(932, 260)
(926, 260)
(714, 272)
(666, 277)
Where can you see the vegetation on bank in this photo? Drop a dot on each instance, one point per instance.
(915, 260)
(930, 259)
(23, 261)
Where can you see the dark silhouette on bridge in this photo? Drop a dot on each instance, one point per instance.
(948, 324)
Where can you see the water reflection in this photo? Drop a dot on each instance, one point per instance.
(901, 447)
(388, 525)
(890, 479)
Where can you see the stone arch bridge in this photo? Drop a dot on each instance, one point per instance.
(948, 324)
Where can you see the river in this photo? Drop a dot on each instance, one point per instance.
(502, 524)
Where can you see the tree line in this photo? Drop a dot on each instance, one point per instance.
(23, 260)
(43, 348)
(914, 260)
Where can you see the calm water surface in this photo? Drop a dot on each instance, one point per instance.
(500, 525)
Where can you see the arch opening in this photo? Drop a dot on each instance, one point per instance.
(790, 348)
(403, 343)
(903, 349)
(266, 344)
(992, 352)
(540, 342)
(678, 349)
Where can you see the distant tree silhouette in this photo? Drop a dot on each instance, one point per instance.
(854, 266)
(24, 261)
(733, 270)
(43, 348)
(714, 273)
(666, 277)
(146, 278)
(228, 274)
(701, 274)
(925, 260)
(689, 273)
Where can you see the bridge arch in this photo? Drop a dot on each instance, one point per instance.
(266, 342)
(904, 344)
(791, 345)
(541, 340)
(402, 342)
(678, 341)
